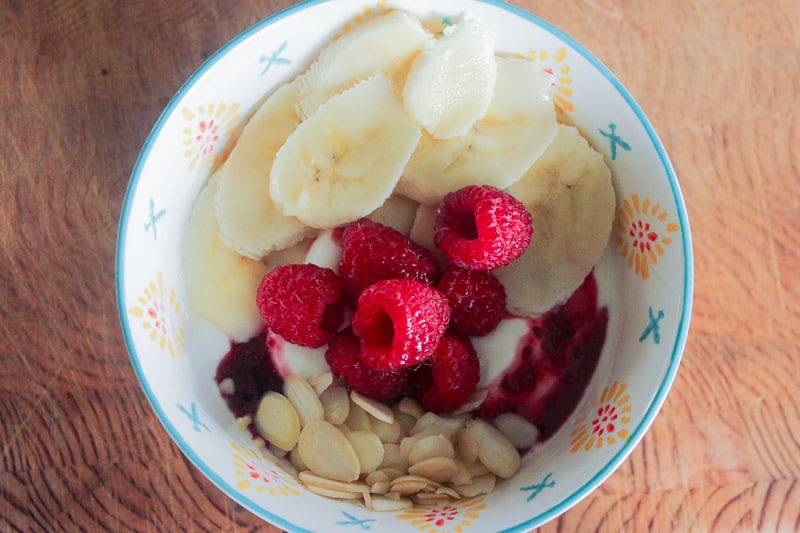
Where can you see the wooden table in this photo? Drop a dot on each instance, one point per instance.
(83, 83)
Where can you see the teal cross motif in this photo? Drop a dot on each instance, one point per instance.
(353, 521)
(536, 488)
(154, 217)
(652, 327)
(274, 59)
(614, 140)
(447, 22)
(194, 417)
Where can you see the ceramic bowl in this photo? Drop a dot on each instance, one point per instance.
(648, 293)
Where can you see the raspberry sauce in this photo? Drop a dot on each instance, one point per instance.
(553, 364)
(250, 367)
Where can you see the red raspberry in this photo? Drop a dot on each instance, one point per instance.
(456, 370)
(477, 300)
(301, 303)
(399, 322)
(372, 252)
(481, 227)
(343, 357)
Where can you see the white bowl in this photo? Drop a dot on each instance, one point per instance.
(175, 353)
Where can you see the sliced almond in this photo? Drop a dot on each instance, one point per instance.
(517, 429)
(386, 432)
(260, 444)
(277, 452)
(243, 421)
(373, 407)
(277, 420)
(480, 485)
(430, 498)
(392, 458)
(410, 407)
(428, 447)
(467, 445)
(335, 404)
(297, 460)
(391, 473)
(462, 476)
(369, 449)
(376, 476)
(408, 487)
(330, 493)
(321, 382)
(304, 398)
(473, 402)
(476, 469)
(357, 418)
(310, 478)
(327, 452)
(447, 426)
(227, 386)
(448, 491)
(494, 449)
(405, 420)
(438, 469)
(406, 443)
(380, 487)
(383, 504)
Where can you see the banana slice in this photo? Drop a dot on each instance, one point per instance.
(570, 195)
(344, 161)
(397, 212)
(221, 285)
(451, 83)
(249, 222)
(382, 43)
(517, 128)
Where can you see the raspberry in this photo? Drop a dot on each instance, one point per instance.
(372, 252)
(399, 322)
(455, 369)
(477, 300)
(343, 357)
(481, 227)
(301, 303)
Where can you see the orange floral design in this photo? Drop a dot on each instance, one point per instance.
(643, 233)
(159, 311)
(359, 17)
(604, 420)
(259, 473)
(209, 126)
(445, 518)
(555, 65)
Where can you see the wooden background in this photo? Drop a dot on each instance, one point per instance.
(83, 83)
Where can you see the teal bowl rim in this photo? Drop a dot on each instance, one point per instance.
(680, 338)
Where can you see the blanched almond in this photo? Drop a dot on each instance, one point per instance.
(438, 469)
(277, 420)
(227, 386)
(331, 493)
(407, 422)
(243, 421)
(321, 382)
(480, 485)
(428, 447)
(304, 398)
(357, 418)
(473, 402)
(386, 432)
(310, 478)
(410, 407)
(373, 407)
(445, 425)
(429, 498)
(467, 445)
(297, 461)
(462, 476)
(517, 429)
(327, 452)
(391, 473)
(384, 504)
(495, 451)
(476, 469)
(335, 404)
(380, 487)
(376, 477)
(406, 443)
(392, 458)
(369, 449)
(408, 487)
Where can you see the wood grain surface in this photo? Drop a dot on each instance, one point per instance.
(83, 82)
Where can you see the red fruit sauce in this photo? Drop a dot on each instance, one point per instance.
(546, 380)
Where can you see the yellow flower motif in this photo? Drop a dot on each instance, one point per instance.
(360, 16)
(160, 314)
(562, 80)
(604, 420)
(642, 233)
(259, 473)
(209, 126)
(445, 518)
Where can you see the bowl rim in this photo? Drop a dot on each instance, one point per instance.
(688, 273)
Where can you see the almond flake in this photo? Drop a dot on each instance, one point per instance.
(438, 469)
(277, 420)
(517, 429)
(428, 447)
(327, 452)
(410, 407)
(335, 404)
(304, 399)
(369, 449)
(375, 408)
(495, 451)
(383, 504)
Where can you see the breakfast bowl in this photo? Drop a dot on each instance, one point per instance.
(643, 275)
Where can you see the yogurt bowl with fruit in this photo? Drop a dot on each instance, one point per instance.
(411, 266)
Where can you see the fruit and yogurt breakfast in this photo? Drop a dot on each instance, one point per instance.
(400, 246)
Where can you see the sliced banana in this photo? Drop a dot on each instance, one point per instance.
(344, 161)
(518, 126)
(382, 43)
(570, 195)
(451, 82)
(220, 284)
(249, 221)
